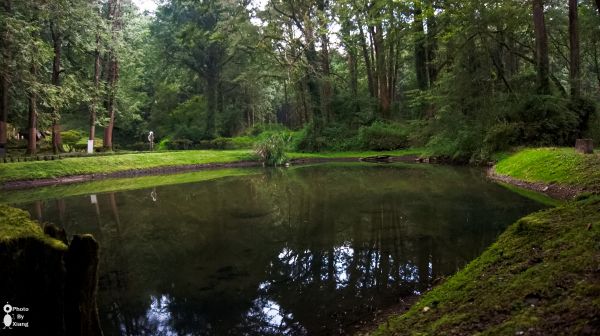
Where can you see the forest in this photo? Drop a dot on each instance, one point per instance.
(462, 79)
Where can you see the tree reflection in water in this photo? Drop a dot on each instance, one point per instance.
(309, 250)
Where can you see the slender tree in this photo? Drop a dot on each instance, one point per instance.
(57, 38)
(541, 43)
(94, 103)
(575, 59)
(33, 114)
(114, 17)
(4, 79)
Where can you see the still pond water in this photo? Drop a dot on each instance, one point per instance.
(306, 250)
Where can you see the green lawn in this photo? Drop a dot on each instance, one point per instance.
(553, 165)
(114, 163)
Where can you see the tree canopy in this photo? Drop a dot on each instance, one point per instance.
(462, 78)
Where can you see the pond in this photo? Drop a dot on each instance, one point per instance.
(304, 250)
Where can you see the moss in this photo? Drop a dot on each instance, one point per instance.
(16, 224)
(553, 165)
(540, 276)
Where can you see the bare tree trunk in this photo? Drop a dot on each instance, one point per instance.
(113, 73)
(420, 52)
(575, 66)
(368, 63)
(326, 87)
(93, 105)
(4, 83)
(541, 43)
(57, 44)
(32, 136)
(431, 44)
(383, 92)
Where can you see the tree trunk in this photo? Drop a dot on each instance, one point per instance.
(94, 104)
(4, 84)
(32, 128)
(541, 44)
(212, 82)
(368, 63)
(57, 44)
(114, 15)
(383, 92)
(326, 87)
(431, 45)
(420, 52)
(575, 65)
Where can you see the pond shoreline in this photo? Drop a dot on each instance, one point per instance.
(27, 184)
(556, 191)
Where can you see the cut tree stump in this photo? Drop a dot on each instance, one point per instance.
(584, 146)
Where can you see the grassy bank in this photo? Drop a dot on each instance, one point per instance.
(115, 163)
(553, 165)
(542, 276)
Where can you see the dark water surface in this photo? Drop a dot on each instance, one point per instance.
(309, 250)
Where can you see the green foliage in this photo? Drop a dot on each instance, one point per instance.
(547, 120)
(71, 137)
(382, 136)
(271, 151)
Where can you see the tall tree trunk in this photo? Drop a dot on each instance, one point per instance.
(57, 44)
(383, 92)
(326, 86)
(94, 103)
(4, 82)
(114, 15)
(368, 62)
(431, 44)
(575, 66)
(420, 52)
(212, 96)
(541, 44)
(32, 127)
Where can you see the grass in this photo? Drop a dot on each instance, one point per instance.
(540, 278)
(553, 165)
(114, 163)
(15, 224)
(118, 184)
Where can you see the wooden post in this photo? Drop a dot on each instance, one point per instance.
(584, 146)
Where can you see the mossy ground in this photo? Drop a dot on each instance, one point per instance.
(542, 277)
(553, 165)
(16, 224)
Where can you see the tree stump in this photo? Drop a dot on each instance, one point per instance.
(584, 146)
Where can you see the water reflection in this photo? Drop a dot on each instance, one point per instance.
(301, 251)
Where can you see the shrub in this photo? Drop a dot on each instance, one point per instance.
(309, 139)
(71, 137)
(382, 136)
(271, 150)
(547, 120)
